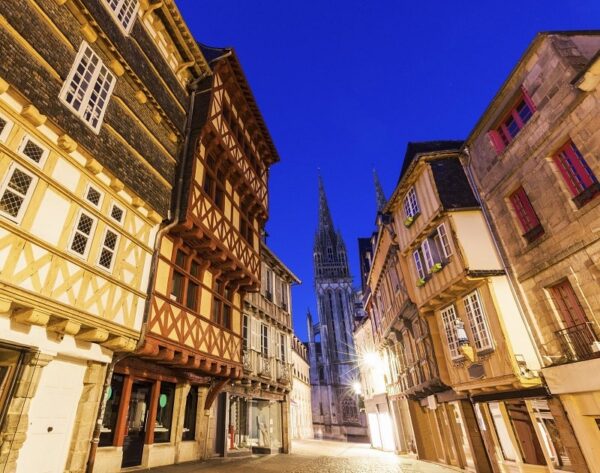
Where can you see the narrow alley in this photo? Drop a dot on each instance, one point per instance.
(311, 456)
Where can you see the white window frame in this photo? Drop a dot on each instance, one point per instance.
(100, 200)
(264, 340)
(114, 252)
(26, 198)
(7, 128)
(444, 240)
(90, 236)
(427, 255)
(411, 203)
(118, 10)
(482, 336)
(87, 94)
(21, 150)
(114, 204)
(418, 261)
(449, 318)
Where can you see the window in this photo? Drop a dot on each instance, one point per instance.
(477, 321)
(88, 87)
(185, 280)
(411, 206)
(264, 340)
(528, 219)
(5, 127)
(94, 196)
(82, 234)
(418, 259)
(449, 319)
(15, 192)
(109, 248)
(123, 11)
(117, 213)
(245, 332)
(189, 418)
(428, 253)
(164, 413)
(578, 176)
(11, 361)
(512, 122)
(222, 299)
(282, 344)
(508, 450)
(284, 295)
(111, 410)
(269, 284)
(29, 148)
(214, 182)
(529, 445)
(394, 280)
(444, 241)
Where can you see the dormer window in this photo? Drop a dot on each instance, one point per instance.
(512, 122)
(411, 207)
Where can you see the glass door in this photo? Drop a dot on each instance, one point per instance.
(137, 417)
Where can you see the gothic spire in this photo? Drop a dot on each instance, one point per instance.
(379, 195)
(325, 220)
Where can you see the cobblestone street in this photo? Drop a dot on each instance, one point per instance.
(312, 456)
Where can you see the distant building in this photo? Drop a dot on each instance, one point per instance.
(300, 397)
(333, 362)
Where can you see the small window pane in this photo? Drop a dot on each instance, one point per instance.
(177, 287)
(189, 419)
(192, 295)
(117, 213)
(33, 151)
(180, 259)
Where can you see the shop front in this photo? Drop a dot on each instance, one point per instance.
(151, 418)
(252, 425)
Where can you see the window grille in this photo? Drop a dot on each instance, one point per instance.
(411, 205)
(123, 11)
(449, 320)
(109, 248)
(82, 234)
(16, 191)
(32, 150)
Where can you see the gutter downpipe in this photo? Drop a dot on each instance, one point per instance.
(161, 232)
(505, 267)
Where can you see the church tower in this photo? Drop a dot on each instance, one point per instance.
(332, 354)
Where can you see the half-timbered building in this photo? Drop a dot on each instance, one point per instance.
(208, 260)
(93, 104)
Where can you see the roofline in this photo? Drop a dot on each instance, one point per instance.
(269, 252)
(533, 45)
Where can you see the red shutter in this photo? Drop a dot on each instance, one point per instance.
(524, 210)
(496, 141)
(574, 169)
(567, 304)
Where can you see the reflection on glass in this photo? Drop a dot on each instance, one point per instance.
(164, 413)
(112, 398)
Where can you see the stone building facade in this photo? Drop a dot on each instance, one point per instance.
(331, 347)
(300, 397)
(534, 158)
(92, 116)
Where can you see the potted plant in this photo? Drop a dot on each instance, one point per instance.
(436, 267)
(421, 282)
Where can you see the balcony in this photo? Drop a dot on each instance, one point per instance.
(579, 342)
(279, 314)
(264, 367)
(283, 372)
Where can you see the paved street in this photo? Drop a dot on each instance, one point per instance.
(312, 456)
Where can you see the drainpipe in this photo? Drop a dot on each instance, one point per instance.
(163, 231)
(505, 267)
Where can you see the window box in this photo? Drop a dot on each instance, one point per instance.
(421, 282)
(410, 220)
(436, 267)
(534, 233)
(587, 195)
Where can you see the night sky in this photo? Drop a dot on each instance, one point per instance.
(344, 85)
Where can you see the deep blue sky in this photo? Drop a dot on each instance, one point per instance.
(344, 85)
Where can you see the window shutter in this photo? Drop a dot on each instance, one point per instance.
(524, 210)
(496, 141)
(428, 255)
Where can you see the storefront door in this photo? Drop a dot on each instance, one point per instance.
(137, 418)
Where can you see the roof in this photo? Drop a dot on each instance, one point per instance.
(214, 56)
(415, 148)
(275, 258)
(452, 185)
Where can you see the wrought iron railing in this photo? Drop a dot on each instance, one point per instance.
(579, 342)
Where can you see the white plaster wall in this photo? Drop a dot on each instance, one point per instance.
(51, 417)
(475, 241)
(53, 208)
(514, 325)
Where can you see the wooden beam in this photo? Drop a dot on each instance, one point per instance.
(213, 391)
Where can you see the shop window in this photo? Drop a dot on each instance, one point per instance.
(164, 413)
(189, 419)
(508, 450)
(529, 445)
(111, 410)
(550, 436)
(578, 176)
(88, 87)
(10, 363)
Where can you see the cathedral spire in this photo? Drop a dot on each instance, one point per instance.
(325, 220)
(379, 195)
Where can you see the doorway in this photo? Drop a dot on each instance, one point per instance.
(137, 419)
